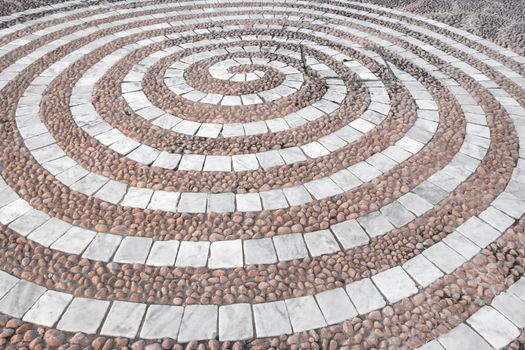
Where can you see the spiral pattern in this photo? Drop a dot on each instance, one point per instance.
(211, 172)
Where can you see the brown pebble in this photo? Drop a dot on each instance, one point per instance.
(54, 337)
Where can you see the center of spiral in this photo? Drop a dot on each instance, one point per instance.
(238, 69)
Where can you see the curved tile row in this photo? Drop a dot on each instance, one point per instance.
(334, 96)
(41, 144)
(37, 304)
(87, 118)
(174, 79)
(492, 327)
(237, 253)
(297, 314)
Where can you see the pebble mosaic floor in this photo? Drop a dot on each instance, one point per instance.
(258, 174)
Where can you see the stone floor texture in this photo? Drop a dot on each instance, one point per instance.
(246, 174)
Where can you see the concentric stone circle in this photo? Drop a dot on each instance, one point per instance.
(259, 174)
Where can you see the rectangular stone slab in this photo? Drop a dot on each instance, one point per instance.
(48, 309)
(123, 319)
(271, 319)
(76, 319)
(162, 321)
(199, 322)
(235, 322)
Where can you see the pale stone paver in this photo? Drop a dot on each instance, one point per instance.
(163, 253)
(462, 245)
(365, 172)
(314, 150)
(304, 313)
(217, 163)
(245, 162)
(28, 222)
(221, 202)
(225, 254)
(192, 202)
(410, 144)
(48, 309)
(365, 296)
(432, 345)
(478, 231)
(74, 241)
(48, 153)
(414, 203)
(292, 155)
(345, 179)
(493, 326)
(518, 289)
(332, 142)
(6, 283)
(273, 199)
(348, 134)
(430, 192)
(323, 188)
(20, 298)
(375, 224)
(512, 307)
(290, 246)
(167, 160)
(137, 197)
(235, 322)
(510, 205)
(395, 284)
(198, 322)
(232, 130)
(463, 337)
(144, 154)
(133, 250)
(192, 254)
(102, 247)
(444, 181)
(72, 175)
(321, 242)
(248, 202)
(49, 232)
(163, 200)
(422, 270)
(209, 130)
(123, 319)
(269, 159)
(124, 146)
(271, 319)
(297, 195)
(162, 321)
(362, 125)
(381, 162)
(350, 234)
(496, 218)
(335, 305)
(397, 214)
(57, 166)
(444, 257)
(259, 251)
(13, 211)
(112, 191)
(89, 184)
(189, 161)
(7, 195)
(76, 319)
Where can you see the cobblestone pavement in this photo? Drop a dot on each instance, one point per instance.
(258, 174)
